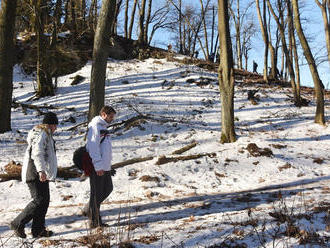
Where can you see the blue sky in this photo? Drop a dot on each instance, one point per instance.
(313, 28)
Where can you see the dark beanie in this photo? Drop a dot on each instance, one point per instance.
(50, 118)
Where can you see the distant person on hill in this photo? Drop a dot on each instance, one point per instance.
(99, 148)
(255, 67)
(169, 48)
(217, 60)
(39, 167)
(196, 54)
(211, 57)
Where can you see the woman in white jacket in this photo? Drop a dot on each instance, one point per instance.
(39, 167)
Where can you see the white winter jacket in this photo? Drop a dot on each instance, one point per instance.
(101, 153)
(40, 154)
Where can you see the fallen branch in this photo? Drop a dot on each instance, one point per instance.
(164, 159)
(185, 148)
(78, 125)
(130, 161)
(38, 108)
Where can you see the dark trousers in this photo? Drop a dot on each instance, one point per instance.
(36, 210)
(101, 187)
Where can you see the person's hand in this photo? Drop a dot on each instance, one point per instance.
(112, 172)
(100, 172)
(42, 176)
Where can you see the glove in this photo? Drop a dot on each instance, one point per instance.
(112, 172)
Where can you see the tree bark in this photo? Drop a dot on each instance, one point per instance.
(141, 22)
(319, 115)
(100, 55)
(293, 50)
(44, 79)
(147, 22)
(126, 19)
(205, 27)
(263, 27)
(226, 76)
(7, 30)
(132, 20)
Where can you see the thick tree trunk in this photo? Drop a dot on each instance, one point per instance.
(226, 76)
(44, 79)
(319, 115)
(100, 55)
(7, 30)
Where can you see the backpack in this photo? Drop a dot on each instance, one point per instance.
(82, 160)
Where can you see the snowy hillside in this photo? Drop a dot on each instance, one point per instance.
(229, 195)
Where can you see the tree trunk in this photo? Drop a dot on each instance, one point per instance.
(100, 55)
(205, 27)
(226, 76)
(180, 28)
(325, 9)
(147, 22)
(44, 79)
(293, 50)
(132, 20)
(319, 116)
(117, 11)
(286, 51)
(141, 22)
(263, 26)
(7, 30)
(126, 19)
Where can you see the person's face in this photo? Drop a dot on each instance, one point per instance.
(108, 117)
(52, 127)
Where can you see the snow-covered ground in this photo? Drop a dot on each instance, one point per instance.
(227, 198)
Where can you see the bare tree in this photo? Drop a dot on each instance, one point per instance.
(249, 30)
(203, 11)
(293, 48)
(141, 21)
(226, 75)
(130, 29)
(319, 115)
(325, 9)
(239, 23)
(7, 30)
(190, 25)
(100, 55)
(280, 22)
(160, 20)
(263, 25)
(117, 12)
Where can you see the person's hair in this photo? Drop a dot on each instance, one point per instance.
(50, 118)
(107, 110)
